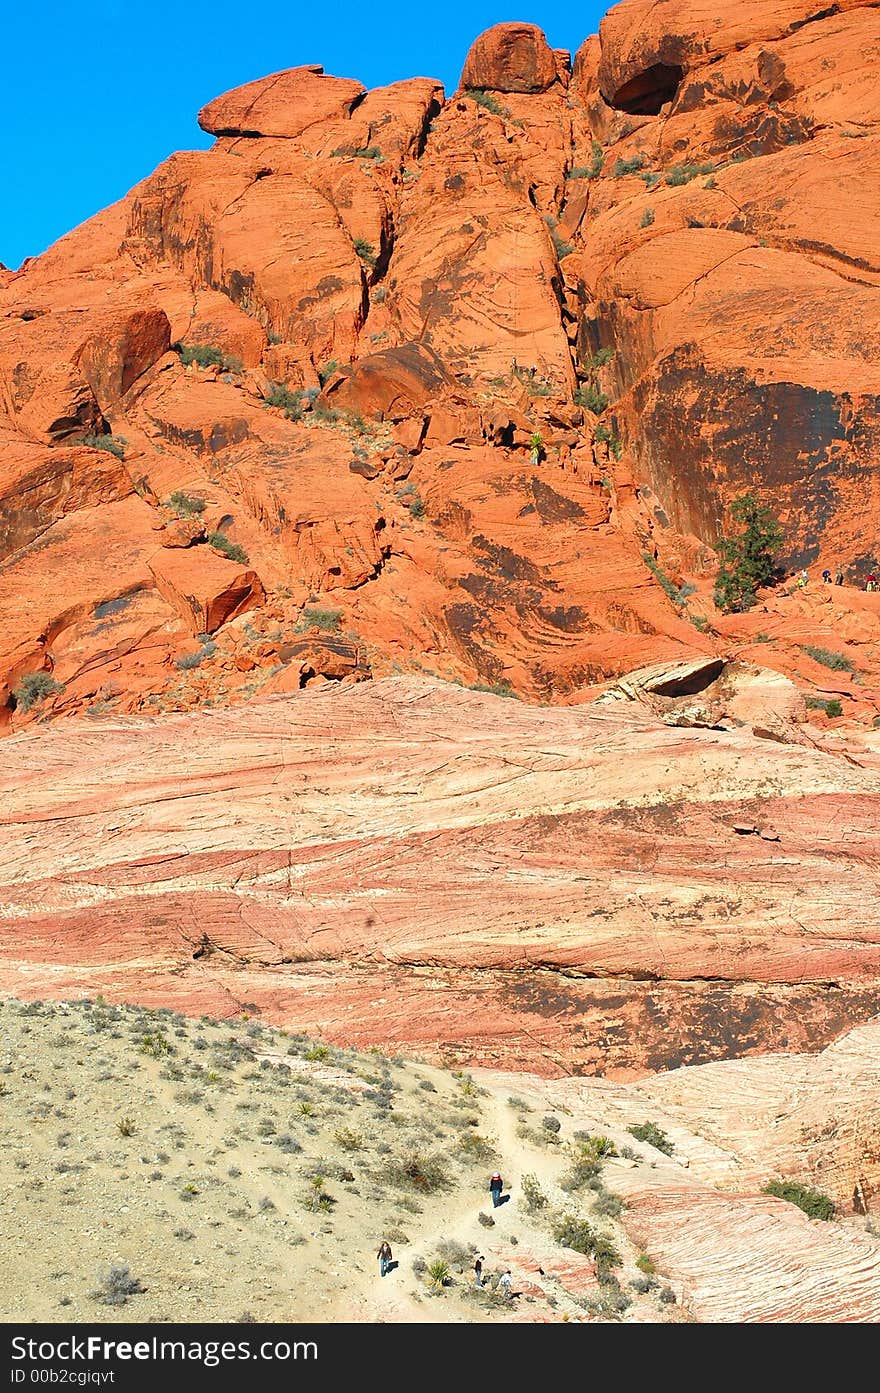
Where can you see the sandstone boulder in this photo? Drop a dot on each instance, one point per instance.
(510, 58)
(285, 104)
(204, 588)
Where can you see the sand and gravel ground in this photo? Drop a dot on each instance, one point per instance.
(239, 1172)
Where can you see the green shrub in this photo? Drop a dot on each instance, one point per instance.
(812, 1202)
(438, 1273)
(838, 662)
(290, 402)
(314, 617)
(747, 555)
(624, 167)
(652, 1134)
(417, 508)
(831, 707)
(327, 370)
(424, 1171)
(220, 542)
(647, 217)
(592, 397)
(651, 179)
(562, 247)
(608, 1205)
(683, 173)
(366, 252)
(644, 1264)
(502, 688)
(487, 100)
(533, 1196)
(569, 1231)
(108, 443)
(677, 595)
(186, 505)
(205, 355)
(600, 359)
(367, 152)
(33, 688)
(606, 436)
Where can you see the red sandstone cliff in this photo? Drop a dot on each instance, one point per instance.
(682, 222)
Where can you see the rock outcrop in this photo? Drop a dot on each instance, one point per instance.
(407, 863)
(475, 377)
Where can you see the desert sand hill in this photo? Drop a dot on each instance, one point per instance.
(239, 1173)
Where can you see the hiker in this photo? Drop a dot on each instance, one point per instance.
(802, 579)
(478, 1271)
(826, 576)
(838, 577)
(384, 1256)
(496, 1185)
(871, 582)
(504, 1283)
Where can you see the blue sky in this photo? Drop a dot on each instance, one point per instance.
(95, 93)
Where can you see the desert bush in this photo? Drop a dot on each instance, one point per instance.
(204, 355)
(33, 688)
(831, 707)
(608, 1205)
(186, 505)
(117, 1285)
(813, 1202)
(647, 217)
(290, 402)
(109, 443)
(622, 167)
(667, 1296)
(676, 594)
(314, 617)
(570, 1231)
(454, 1253)
(502, 689)
(681, 174)
(551, 1124)
(487, 100)
(154, 1044)
(652, 1134)
(645, 1264)
(348, 1139)
(838, 662)
(590, 396)
(126, 1127)
(532, 1194)
(486, 1220)
(220, 542)
(475, 1147)
(423, 1170)
(366, 252)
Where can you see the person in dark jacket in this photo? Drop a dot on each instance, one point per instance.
(496, 1185)
(384, 1256)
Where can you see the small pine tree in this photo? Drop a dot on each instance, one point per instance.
(746, 556)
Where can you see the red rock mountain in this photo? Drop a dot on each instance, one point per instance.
(386, 380)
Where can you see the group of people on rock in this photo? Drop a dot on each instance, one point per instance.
(871, 581)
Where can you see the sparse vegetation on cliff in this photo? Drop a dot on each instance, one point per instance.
(813, 1202)
(33, 688)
